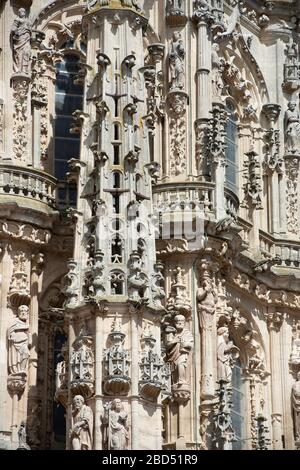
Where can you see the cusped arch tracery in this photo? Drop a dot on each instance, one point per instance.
(246, 335)
(242, 77)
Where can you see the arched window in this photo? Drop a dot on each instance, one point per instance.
(68, 98)
(59, 412)
(238, 409)
(231, 151)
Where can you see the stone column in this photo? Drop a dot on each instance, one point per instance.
(134, 379)
(98, 375)
(275, 320)
(71, 339)
(203, 67)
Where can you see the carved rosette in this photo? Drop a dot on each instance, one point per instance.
(177, 101)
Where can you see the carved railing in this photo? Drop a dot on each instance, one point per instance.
(287, 252)
(231, 203)
(173, 197)
(27, 183)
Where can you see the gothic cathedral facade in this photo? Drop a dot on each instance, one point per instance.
(149, 224)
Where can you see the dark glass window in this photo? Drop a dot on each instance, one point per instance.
(238, 407)
(59, 418)
(68, 98)
(231, 152)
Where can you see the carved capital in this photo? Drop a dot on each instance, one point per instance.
(274, 320)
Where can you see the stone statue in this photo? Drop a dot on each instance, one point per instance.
(22, 435)
(217, 70)
(227, 352)
(116, 419)
(179, 345)
(18, 337)
(296, 408)
(207, 298)
(21, 36)
(292, 128)
(176, 60)
(81, 433)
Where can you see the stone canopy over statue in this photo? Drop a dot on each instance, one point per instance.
(20, 36)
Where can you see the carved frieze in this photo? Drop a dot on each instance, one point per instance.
(292, 175)
(177, 102)
(20, 118)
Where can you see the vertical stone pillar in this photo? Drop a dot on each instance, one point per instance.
(275, 320)
(98, 379)
(71, 339)
(134, 378)
(203, 71)
(33, 402)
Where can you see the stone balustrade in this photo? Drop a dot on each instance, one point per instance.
(28, 183)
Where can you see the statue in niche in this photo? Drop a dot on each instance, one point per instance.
(207, 298)
(255, 352)
(292, 128)
(116, 419)
(217, 71)
(22, 435)
(296, 408)
(176, 61)
(179, 345)
(227, 352)
(81, 432)
(21, 36)
(18, 337)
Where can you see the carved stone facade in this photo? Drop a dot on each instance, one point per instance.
(149, 225)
